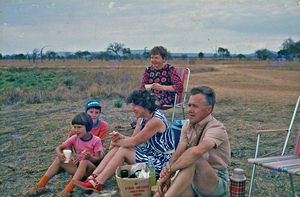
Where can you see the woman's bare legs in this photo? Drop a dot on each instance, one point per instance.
(108, 157)
(123, 154)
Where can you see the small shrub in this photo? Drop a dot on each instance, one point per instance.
(56, 102)
(118, 103)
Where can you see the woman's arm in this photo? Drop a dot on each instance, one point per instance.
(151, 128)
(116, 136)
(157, 86)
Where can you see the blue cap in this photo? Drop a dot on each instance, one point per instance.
(92, 103)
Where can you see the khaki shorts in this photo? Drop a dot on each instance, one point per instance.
(222, 187)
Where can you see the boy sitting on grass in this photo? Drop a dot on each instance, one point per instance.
(100, 127)
(88, 148)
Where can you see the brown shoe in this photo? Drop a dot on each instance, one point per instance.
(35, 190)
(63, 193)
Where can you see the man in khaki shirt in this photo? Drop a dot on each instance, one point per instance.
(203, 153)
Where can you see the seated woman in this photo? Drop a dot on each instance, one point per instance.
(151, 137)
(163, 78)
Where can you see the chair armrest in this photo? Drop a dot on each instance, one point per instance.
(271, 131)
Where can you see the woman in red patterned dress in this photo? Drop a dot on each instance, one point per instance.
(162, 77)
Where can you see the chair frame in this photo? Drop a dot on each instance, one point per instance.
(283, 150)
(180, 96)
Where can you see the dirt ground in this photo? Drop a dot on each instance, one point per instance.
(249, 98)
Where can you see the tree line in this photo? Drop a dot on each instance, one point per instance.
(290, 50)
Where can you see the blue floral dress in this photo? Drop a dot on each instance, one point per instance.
(160, 146)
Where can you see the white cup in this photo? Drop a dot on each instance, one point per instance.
(148, 86)
(67, 154)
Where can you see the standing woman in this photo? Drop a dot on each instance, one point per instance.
(152, 137)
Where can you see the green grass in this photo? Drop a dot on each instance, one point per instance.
(33, 79)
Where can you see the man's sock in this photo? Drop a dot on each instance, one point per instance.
(44, 180)
(70, 186)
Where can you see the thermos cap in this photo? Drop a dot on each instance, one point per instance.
(238, 175)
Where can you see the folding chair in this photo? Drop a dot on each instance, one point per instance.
(285, 163)
(180, 98)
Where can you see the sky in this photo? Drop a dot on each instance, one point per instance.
(182, 26)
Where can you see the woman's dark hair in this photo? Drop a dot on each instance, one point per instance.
(210, 96)
(83, 119)
(143, 98)
(159, 50)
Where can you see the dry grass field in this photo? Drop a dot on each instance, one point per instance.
(251, 95)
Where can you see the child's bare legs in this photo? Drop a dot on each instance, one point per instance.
(108, 157)
(85, 168)
(57, 164)
(52, 170)
(123, 154)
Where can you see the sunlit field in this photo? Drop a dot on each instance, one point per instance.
(38, 102)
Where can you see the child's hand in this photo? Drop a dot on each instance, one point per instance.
(86, 155)
(114, 136)
(61, 157)
(73, 159)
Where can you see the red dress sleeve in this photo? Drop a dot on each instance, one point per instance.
(176, 81)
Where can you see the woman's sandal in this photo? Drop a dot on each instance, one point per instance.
(92, 176)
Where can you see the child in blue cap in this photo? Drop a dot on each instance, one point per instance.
(100, 127)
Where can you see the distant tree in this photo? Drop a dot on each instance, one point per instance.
(115, 48)
(127, 53)
(79, 54)
(34, 55)
(215, 56)
(290, 49)
(146, 55)
(20, 56)
(227, 53)
(1, 56)
(83, 54)
(86, 55)
(51, 55)
(287, 43)
(103, 56)
(264, 54)
(296, 49)
(223, 52)
(241, 56)
(284, 53)
(201, 55)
